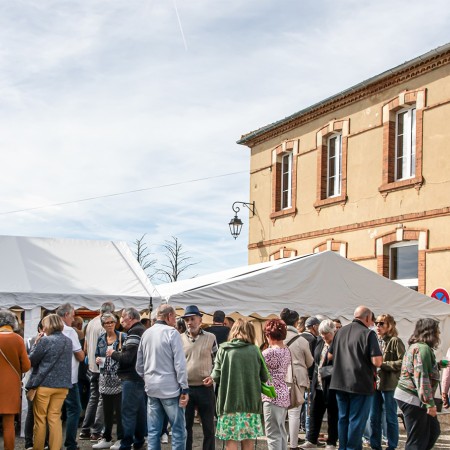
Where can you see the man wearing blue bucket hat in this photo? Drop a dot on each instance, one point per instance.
(200, 348)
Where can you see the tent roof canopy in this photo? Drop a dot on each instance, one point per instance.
(323, 283)
(48, 272)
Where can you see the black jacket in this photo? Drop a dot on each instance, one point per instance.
(325, 381)
(127, 357)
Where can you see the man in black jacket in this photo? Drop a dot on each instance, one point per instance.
(134, 405)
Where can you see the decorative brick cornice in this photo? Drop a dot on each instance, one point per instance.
(408, 71)
(441, 212)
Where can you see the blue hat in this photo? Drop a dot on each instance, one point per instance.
(191, 310)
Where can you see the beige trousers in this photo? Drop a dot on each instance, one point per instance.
(47, 405)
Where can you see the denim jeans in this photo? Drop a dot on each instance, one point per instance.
(73, 412)
(155, 418)
(385, 398)
(93, 417)
(134, 415)
(353, 413)
(202, 398)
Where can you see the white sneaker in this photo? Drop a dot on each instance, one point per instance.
(308, 444)
(116, 445)
(330, 446)
(164, 439)
(103, 443)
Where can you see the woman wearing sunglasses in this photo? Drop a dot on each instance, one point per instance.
(387, 378)
(109, 384)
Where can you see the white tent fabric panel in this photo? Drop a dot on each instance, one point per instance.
(48, 272)
(167, 290)
(323, 283)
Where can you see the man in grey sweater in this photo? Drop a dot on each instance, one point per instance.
(162, 365)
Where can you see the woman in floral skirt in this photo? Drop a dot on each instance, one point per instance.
(238, 370)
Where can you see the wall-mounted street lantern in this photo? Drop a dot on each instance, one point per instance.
(236, 223)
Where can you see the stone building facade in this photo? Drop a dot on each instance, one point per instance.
(365, 173)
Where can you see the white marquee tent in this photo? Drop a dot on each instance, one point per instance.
(323, 283)
(44, 272)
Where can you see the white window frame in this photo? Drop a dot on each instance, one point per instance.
(409, 144)
(336, 162)
(286, 167)
(407, 282)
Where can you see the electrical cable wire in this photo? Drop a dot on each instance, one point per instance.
(116, 194)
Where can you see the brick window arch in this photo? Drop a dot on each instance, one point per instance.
(403, 141)
(332, 142)
(282, 253)
(389, 246)
(332, 245)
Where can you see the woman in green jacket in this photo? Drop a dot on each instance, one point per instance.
(239, 371)
(387, 378)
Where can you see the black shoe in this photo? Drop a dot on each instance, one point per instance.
(95, 437)
(84, 436)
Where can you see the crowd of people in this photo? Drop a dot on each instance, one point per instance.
(148, 375)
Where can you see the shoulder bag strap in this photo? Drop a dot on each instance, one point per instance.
(293, 340)
(9, 362)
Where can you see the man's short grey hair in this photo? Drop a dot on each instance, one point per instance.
(107, 307)
(106, 316)
(327, 326)
(8, 318)
(132, 313)
(164, 310)
(64, 309)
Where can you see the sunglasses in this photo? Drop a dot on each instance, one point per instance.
(379, 324)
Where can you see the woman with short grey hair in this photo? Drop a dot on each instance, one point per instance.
(322, 398)
(327, 326)
(110, 386)
(9, 319)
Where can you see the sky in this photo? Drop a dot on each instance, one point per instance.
(120, 118)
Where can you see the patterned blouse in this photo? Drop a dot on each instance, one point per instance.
(420, 373)
(278, 361)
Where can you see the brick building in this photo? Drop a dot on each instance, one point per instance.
(365, 173)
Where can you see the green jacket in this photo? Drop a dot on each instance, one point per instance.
(239, 371)
(389, 372)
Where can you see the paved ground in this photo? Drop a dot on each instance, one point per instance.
(443, 443)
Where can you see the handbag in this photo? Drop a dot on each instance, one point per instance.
(266, 389)
(326, 372)
(438, 400)
(296, 396)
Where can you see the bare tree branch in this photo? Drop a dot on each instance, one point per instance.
(177, 261)
(143, 257)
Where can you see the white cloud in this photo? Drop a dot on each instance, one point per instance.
(98, 97)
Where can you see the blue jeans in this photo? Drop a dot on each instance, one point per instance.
(73, 411)
(353, 413)
(385, 398)
(134, 414)
(155, 418)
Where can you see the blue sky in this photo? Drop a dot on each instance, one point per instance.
(102, 96)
